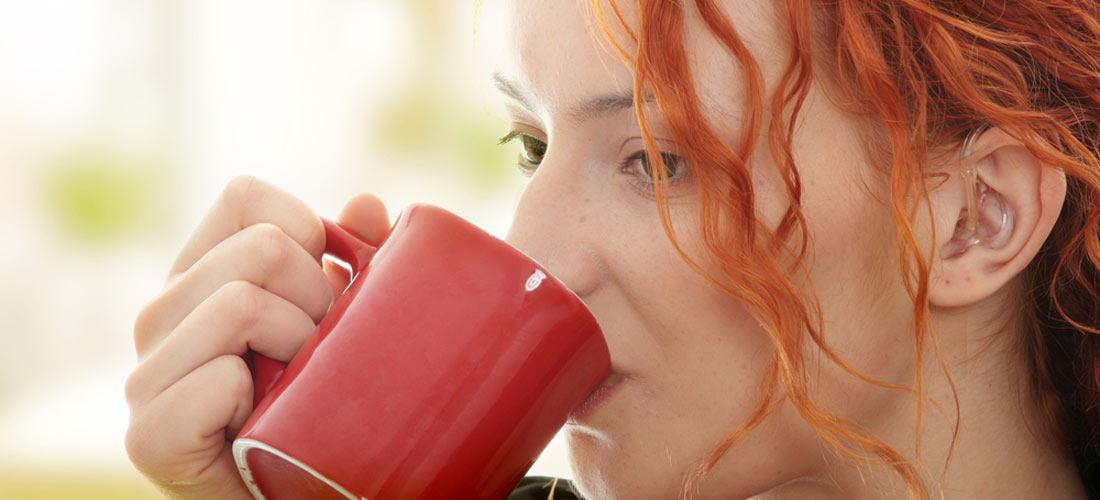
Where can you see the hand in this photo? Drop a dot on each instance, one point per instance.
(248, 278)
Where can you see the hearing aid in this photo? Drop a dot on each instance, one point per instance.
(988, 219)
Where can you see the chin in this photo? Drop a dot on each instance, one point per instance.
(589, 460)
(601, 471)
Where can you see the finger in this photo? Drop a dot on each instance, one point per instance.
(366, 216)
(239, 316)
(261, 254)
(244, 202)
(179, 438)
(337, 276)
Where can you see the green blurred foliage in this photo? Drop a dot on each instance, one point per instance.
(97, 196)
(426, 120)
(423, 122)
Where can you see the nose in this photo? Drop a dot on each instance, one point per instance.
(556, 224)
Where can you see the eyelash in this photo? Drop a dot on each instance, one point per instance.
(525, 165)
(528, 166)
(675, 169)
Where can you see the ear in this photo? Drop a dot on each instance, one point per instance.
(1033, 190)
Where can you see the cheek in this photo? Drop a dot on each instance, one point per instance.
(867, 315)
(701, 358)
(851, 252)
(866, 312)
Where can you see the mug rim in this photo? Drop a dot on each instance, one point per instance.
(468, 240)
(241, 446)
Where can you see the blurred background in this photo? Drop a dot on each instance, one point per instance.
(121, 121)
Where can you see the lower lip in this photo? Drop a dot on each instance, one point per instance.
(596, 399)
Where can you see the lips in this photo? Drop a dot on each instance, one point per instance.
(596, 398)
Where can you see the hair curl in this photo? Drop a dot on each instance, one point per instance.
(927, 72)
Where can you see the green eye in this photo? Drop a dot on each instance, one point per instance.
(533, 150)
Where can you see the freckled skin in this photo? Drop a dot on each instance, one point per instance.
(691, 355)
(681, 342)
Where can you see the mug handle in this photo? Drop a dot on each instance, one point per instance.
(340, 243)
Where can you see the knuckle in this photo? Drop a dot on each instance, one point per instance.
(237, 376)
(244, 378)
(141, 447)
(237, 301)
(242, 188)
(133, 388)
(144, 325)
(271, 246)
(315, 239)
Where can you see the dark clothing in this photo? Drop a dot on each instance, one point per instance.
(538, 488)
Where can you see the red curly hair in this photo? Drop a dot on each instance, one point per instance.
(927, 72)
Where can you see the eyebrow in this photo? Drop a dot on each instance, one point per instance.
(586, 110)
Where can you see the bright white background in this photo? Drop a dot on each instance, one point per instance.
(121, 120)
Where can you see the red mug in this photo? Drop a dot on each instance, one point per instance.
(441, 372)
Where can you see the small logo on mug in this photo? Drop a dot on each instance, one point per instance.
(535, 280)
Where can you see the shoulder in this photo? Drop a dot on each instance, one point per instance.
(544, 488)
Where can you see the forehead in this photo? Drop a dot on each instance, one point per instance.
(550, 50)
(554, 49)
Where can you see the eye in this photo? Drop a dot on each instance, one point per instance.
(638, 164)
(533, 150)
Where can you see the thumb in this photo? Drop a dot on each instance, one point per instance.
(365, 216)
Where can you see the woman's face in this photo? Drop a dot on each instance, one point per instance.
(691, 357)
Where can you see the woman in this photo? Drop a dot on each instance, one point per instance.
(839, 249)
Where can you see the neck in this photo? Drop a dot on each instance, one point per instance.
(1002, 449)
